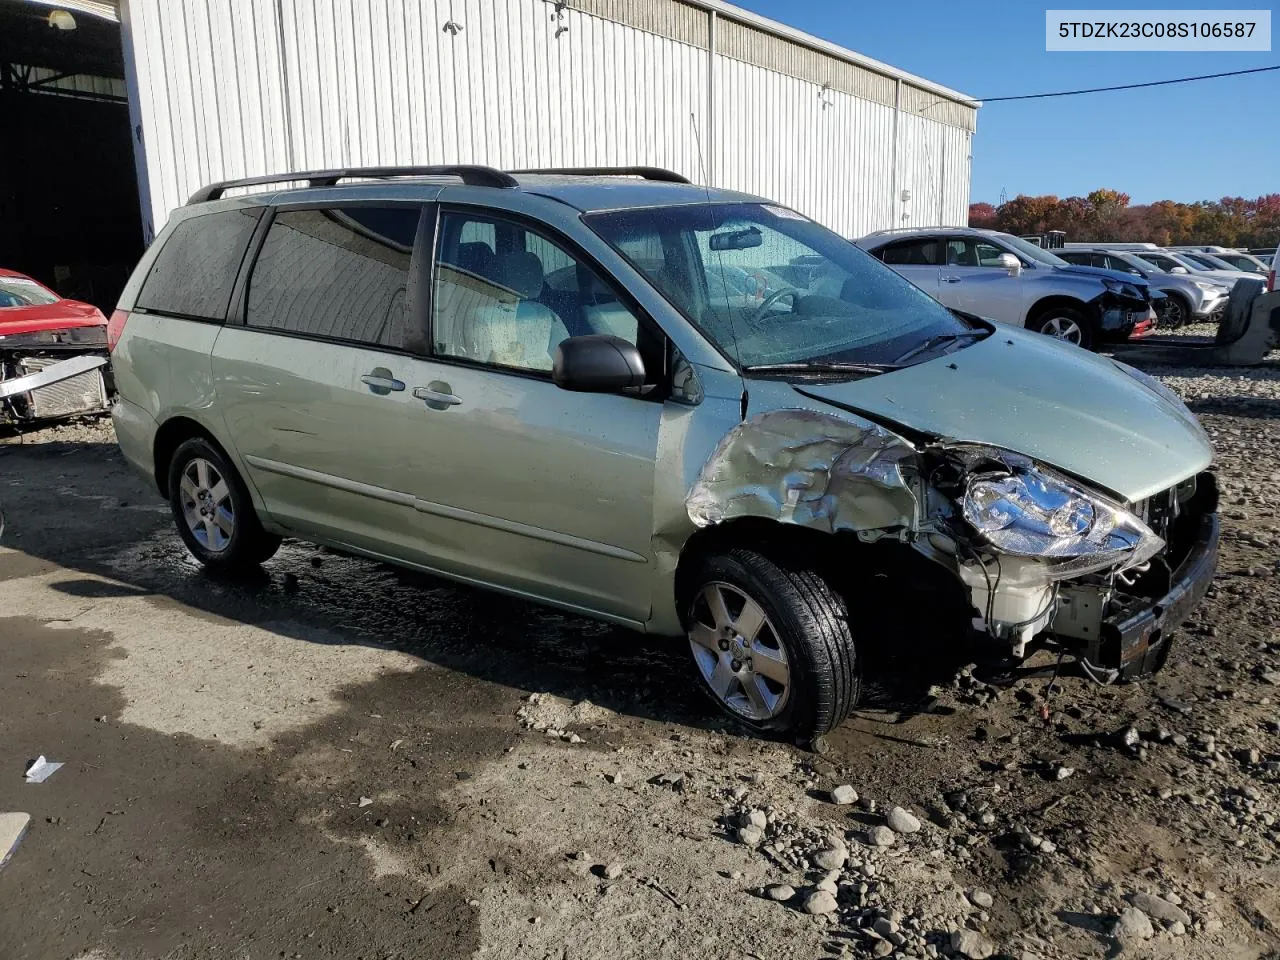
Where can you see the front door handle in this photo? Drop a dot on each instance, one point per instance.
(437, 395)
(380, 381)
(951, 279)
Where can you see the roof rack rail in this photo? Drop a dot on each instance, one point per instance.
(647, 173)
(475, 175)
(932, 226)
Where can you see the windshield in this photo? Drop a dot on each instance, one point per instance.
(1209, 262)
(21, 292)
(1031, 251)
(1183, 260)
(769, 286)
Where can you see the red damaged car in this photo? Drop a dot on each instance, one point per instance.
(53, 354)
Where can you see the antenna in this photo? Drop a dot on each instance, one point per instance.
(711, 226)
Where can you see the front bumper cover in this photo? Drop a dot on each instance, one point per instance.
(1135, 641)
(1118, 315)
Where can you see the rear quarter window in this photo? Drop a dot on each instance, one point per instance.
(337, 273)
(194, 272)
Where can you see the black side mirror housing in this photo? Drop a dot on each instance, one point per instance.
(597, 363)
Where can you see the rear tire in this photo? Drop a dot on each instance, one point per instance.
(1064, 323)
(778, 656)
(213, 511)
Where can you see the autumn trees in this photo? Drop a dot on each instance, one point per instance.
(1106, 215)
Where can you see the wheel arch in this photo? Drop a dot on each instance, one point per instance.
(171, 434)
(1183, 299)
(1045, 304)
(905, 603)
(773, 538)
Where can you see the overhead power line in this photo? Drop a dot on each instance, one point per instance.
(1127, 86)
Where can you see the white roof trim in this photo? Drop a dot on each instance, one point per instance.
(94, 8)
(833, 49)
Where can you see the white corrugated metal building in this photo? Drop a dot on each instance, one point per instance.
(219, 89)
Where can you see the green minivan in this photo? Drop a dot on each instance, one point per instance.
(684, 410)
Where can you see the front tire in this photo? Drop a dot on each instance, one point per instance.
(213, 511)
(1064, 323)
(1178, 312)
(771, 642)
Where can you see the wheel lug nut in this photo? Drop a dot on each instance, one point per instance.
(736, 664)
(724, 644)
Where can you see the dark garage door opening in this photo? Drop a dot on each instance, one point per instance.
(69, 211)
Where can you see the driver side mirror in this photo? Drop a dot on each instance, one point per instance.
(1182, 270)
(1011, 263)
(597, 363)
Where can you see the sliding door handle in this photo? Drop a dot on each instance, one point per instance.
(437, 395)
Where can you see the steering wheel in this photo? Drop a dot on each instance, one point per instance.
(770, 300)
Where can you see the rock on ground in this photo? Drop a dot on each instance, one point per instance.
(972, 944)
(844, 795)
(830, 859)
(900, 821)
(820, 902)
(981, 899)
(880, 836)
(1159, 908)
(1132, 925)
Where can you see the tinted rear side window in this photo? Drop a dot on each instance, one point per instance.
(912, 253)
(341, 273)
(195, 270)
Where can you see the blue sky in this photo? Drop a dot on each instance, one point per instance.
(1195, 141)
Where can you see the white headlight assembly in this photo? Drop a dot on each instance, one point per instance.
(1032, 513)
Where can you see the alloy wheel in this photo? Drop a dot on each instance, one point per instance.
(738, 652)
(1063, 328)
(207, 506)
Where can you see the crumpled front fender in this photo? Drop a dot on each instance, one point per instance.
(807, 468)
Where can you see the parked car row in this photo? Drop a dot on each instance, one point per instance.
(684, 410)
(1191, 298)
(1243, 260)
(1007, 279)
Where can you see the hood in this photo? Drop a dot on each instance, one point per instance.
(1139, 282)
(1051, 401)
(61, 315)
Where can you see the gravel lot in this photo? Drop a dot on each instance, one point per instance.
(345, 760)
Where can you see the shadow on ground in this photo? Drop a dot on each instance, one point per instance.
(78, 506)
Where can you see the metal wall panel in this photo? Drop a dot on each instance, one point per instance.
(231, 88)
(934, 166)
(830, 155)
(305, 84)
(746, 43)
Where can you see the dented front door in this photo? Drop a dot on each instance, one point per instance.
(535, 489)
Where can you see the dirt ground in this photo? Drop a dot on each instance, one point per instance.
(345, 760)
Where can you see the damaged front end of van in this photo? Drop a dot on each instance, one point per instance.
(1098, 532)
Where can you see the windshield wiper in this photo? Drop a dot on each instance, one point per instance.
(937, 340)
(813, 366)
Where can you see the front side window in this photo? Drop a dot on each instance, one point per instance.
(1112, 262)
(21, 292)
(1031, 251)
(505, 295)
(195, 270)
(967, 252)
(769, 286)
(1159, 262)
(340, 273)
